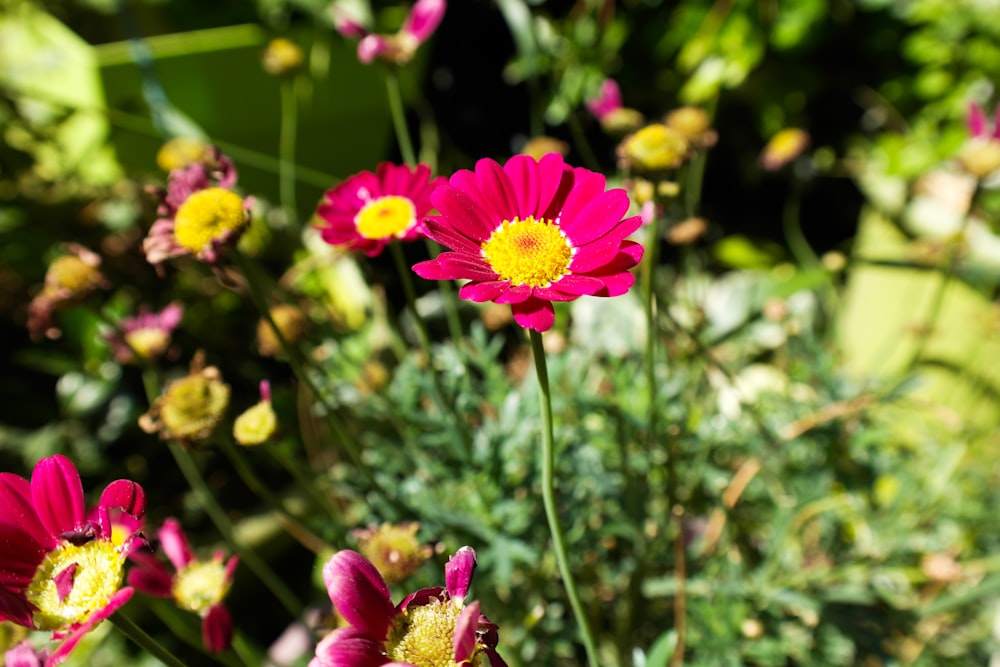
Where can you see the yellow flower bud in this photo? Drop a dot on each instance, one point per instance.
(654, 148)
(291, 322)
(191, 406)
(282, 57)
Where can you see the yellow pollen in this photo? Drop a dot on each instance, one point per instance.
(200, 585)
(148, 343)
(98, 575)
(529, 252)
(193, 405)
(424, 636)
(384, 217)
(208, 215)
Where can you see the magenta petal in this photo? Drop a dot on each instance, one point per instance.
(359, 593)
(217, 629)
(175, 544)
(534, 314)
(494, 658)
(463, 267)
(516, 294)
(463, 215)
(347, 647)
(616, 285)
(976, 120)
(523, 173)
(466, 626)
(484, 291)
(424, 18)
(15, 608)
(371, 47)
(421, 597)
(575, 285)
(587, 186)
(70, 642)
(125, 495)
(19, 509)
(601, 215)
(58, 494)
(436, 229)
(20, 555)
(151, 578)
(432, 270)
(555, 181)
(458, 573)
(497, 189)
(64, 581)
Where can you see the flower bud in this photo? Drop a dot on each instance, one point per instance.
(393, 549)
(282, 57)
(291, 322)
(654, 148)
(257, 424)
(191, 407)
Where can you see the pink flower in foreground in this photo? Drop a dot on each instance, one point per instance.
(369, 210)
(398, 49)
(530, 233)
(431, 627)
(199, 212)
(198, 586)
(146, 335)
(59, 570)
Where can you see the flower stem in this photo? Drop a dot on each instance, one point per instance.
(549, 499)
(225, 527)
(461, 439)
(399, 116)
(128, 628)
(286, 149)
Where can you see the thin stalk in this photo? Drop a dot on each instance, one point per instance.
(225, 527)
(461, 439)
(140, 637)
(549, 500)
(294, 527)
(399, 116)
(286, 149)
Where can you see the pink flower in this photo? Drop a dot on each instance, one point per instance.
(199, 212)
(608, 100)
(979, 126)
(25, 655)
(399, 48)
(198, 586)
(530, 233)
(433, 626)
(146, 335)
(59, 570)
(367, 211)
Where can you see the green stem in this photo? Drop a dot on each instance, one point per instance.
(399, 116)
(295, 528)
(225, 527)
(143, 640)
(450, 300)
(549, 500)
(286, 154)
(796, 239)
(461, 439)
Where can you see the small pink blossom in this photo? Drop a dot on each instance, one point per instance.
(145, 335)
(607, 101)
(198, 586)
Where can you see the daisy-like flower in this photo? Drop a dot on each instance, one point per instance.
(369, 210)
(60, 571)
(530, 233)
(146, 335)
(429, 628)
(199, 212)
(190, 407)
(69, 279)
(399, 48)
(198, 586)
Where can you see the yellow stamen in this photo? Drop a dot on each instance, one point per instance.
(386, 216)
(208, 215)
(99, 567)
(201, 585)
(424, 636)
(529, 252)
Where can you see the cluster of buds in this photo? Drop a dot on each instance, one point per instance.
(397, 48)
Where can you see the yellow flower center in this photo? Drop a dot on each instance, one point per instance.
(256, 425)
(529, 252)
(386, 216)
(424, 636)
(147, 343)
(200, 585)
(207, 215)
(193, 405)
(89, 575)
